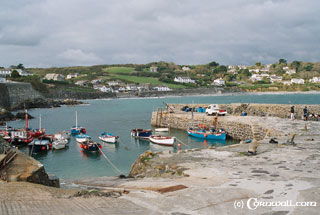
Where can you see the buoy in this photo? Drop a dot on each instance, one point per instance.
(50, 145)
(100, 146)
(81, 146)
(205, 135)
(43, 148)
(85, 147)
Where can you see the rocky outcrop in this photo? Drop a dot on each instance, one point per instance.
(24, 168)
(150, 164)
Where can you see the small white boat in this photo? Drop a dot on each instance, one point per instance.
(161, 129)
(82, 138)
(162, 140)
(59, 143)
(60, 140)
(109, 138)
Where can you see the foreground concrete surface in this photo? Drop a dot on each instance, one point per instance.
(217, 181)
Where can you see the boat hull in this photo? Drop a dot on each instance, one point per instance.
(203, 135)
(89, 147)
(161, 129)
(108, 139)
(39, 146)
(141, 133)
(162, 140)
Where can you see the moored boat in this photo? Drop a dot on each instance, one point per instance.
(38, 146)
(162, 140)
(108, 137)
(77, 129)
(207, 134)
(81, 138)
(161, 129)
(59, 142)
(20, 137)
(141, 133)
(90, 146)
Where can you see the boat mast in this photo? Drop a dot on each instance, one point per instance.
(40, 122)
(27, 120)
(76, 119)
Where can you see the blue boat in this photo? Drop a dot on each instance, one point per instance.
(77, 129)
(207, 134)
(141, 133)
(81, 138)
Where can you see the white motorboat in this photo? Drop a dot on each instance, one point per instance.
(161, 129)
(82, 138)
(162, 140)
(109, 138)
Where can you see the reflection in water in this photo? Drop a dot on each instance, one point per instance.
(90, 155)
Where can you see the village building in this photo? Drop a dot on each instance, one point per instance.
(274, 78)
(286, 82)
(184, 80)
(185, 68)
(153, 69)
(297, 81)
(83, 83)
(218, 82)
(254, 70)
(72, 76)
(54, 77)
(97, 81)
(114, 83)
(242, 66)
(131, 87)
(291, 71)
(5, 72)
(161, 88)
(315, 80)
(102, 88)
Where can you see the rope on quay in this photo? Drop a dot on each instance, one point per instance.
(183, 142)
(110, 162)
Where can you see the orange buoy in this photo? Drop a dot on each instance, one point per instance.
(43, 148)
(81, 146)
(205, 135)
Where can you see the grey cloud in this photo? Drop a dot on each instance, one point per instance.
(84, 32)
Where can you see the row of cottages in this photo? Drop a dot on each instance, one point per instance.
(315, 80)
(184, 80)
(7, 72)
(72, 76)
(272, 78)
(54, 77)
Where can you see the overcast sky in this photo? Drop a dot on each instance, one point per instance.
(46, 33)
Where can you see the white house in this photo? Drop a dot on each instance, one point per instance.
(102, 88)
(286, 82)
(5, 72)
(162, 88)
(54, 76)
(153, 69)
(218, 82)
(82, 83)
(274, 78)
(185, 80)
(72, 75)
(185, 68)
(22, 72)
(291, 71)
(256, 77)
(114, 83)
(97, 81)
(285, 68)
(297, 81)
(242, 66)
(315, 80)
(131, 87)
(254, 70)
(232, 71)
(3, 80)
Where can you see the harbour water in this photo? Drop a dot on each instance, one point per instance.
(119, 116)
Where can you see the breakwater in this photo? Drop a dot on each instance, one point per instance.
(262, 120)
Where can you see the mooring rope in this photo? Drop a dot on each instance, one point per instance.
(183, 143)
(110, 161)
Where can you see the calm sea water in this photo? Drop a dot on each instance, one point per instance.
(119, 116)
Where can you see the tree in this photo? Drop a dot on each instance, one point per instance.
(282, 61)
(213, 64)
(20, 66)
(15, 74)
(295, 65)
(258, 64)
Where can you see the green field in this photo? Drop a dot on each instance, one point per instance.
(150, 80)
(122, 70)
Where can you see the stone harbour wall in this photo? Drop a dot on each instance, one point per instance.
(276, 110)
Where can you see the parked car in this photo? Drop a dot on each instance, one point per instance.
(214, 109)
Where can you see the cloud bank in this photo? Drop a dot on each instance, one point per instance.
(44, 33)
